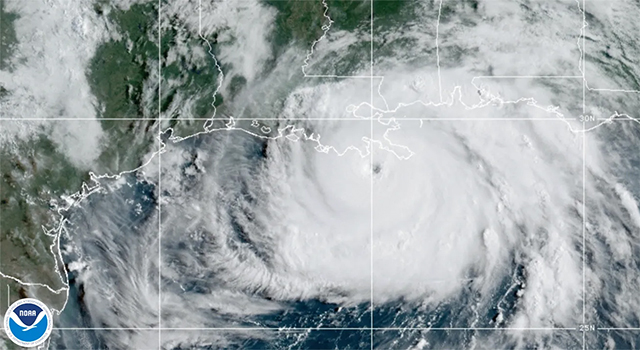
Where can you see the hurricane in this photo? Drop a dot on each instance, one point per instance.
(346, 175)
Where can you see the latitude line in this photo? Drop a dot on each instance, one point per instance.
(302, 119)
(528, 77)
(440, 119)
(345, 76)
(437, 119)
(301, 329)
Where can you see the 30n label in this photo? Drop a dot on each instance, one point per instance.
(587, 118)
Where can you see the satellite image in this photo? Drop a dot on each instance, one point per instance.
(320, 174)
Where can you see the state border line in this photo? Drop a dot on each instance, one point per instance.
(160, 119)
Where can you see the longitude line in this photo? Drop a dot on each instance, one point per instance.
(159, 176)
(8, 301)
(584, 178)
(371, 171)
(371, 77)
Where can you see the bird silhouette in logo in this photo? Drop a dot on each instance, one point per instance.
(19, 322)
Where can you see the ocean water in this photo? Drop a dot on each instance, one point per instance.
(478, 191)
(113, 238)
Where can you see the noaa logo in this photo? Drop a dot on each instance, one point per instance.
(28, 322)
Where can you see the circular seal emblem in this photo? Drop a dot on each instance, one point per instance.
(28, 322)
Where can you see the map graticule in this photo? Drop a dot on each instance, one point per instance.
(321, 174)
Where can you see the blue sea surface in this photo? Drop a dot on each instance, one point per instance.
(112, 230)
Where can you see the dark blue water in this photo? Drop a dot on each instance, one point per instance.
(117, 229)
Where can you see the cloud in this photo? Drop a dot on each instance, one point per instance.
(47, 78)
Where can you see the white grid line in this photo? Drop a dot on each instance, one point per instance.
(438, 50)
(528, 77)
(614, 90)
(8, 301)
(371, 77)
(371, 332)
(626, 119)
(346, 76)
(584, 178)
(302, 119)
(302, 329)
(159, 121)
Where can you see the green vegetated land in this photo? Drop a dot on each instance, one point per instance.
(24, 249)
(7, 37)
(300, 23)
(190, 78)
(33, 173)
(122, 75)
